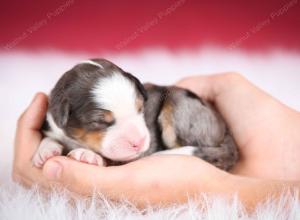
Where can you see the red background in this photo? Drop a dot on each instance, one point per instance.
(97, 26)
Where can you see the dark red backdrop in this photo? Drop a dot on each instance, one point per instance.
(95, 26)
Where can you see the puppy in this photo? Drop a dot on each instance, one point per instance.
(100, 114)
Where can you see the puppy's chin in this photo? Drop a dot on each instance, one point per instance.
(122, 154)
(127, 158)
(123, 158)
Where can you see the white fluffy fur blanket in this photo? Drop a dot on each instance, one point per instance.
(23, 73)
(19, 203)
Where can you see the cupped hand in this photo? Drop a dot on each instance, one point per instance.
(156, 179)
(266, 131)
(28, 138)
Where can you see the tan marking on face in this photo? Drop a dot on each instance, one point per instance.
(91, 139)
(139, 103)
(166, 121)
(108, 117)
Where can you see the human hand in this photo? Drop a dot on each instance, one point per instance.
(27, 140)
(152, 180)
(157, 179)
(266, 131)
(161, 179)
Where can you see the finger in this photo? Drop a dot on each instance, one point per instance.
(34, 115)
(29, 176)
(28, 135)
(81, 177)
(200, 85)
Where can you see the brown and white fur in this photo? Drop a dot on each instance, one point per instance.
(100, 114)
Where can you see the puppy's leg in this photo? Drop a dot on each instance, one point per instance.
(86, 156)
(47, 149)
(186, 150)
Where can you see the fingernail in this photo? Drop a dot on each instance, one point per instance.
(52, 170)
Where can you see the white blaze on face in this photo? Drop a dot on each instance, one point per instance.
(117, 94)
(129, 136)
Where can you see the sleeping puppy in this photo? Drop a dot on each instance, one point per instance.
(102, 115)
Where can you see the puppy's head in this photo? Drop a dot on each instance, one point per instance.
(101, 107)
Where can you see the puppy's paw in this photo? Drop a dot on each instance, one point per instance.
(47, 149)
(86, 156)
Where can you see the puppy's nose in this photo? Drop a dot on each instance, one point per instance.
(138, 144)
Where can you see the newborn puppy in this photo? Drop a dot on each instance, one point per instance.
(100, 114)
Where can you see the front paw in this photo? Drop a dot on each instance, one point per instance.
(87, 156)
(47, 149)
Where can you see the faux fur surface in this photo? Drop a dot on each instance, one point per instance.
(23, 73)
(19, 203)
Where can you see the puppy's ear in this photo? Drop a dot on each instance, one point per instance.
(139, 86)
(61, 111)
(142, 89)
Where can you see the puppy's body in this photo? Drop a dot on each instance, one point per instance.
(98, 107)
(177, 117)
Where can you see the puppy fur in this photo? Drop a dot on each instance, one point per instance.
(99, 107)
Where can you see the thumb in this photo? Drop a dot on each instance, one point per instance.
(34, 115)
(28, 136)
(77, 176)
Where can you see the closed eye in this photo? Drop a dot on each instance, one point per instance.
(98, 119)
(139, 104)
(97, 125)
